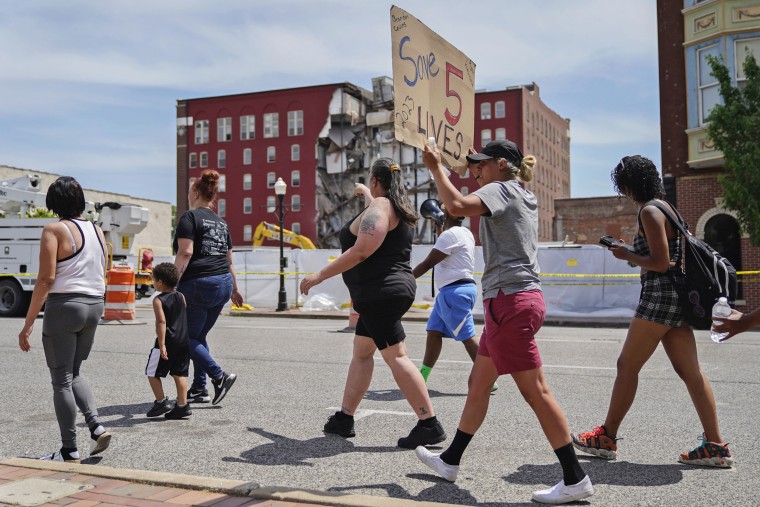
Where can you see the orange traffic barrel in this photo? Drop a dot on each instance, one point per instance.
(120, 294)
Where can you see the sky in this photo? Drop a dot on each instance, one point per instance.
(88, 88)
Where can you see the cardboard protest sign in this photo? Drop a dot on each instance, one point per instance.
(434, 90)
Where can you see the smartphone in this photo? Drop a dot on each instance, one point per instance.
(609, 241)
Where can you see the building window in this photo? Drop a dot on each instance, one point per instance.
(247, 233)
(485, 111)
(270, 154)
(295, 152)
(295, 202)
(223, 129)
(295, 123)
(498, 109)
(295, 178)
(296, 227)
(204, 159)
(270, 180)
(501, 134)
(742, 47)
(247, 156)
(485, 137)
(221, 207)
(247, 127)
(222, 183)
(272, 125)
(221, 158)
(709, 88)
(193, 161)
(247, 206)
(270, 204)
(201, 132)
(247, 182)
(464, 190)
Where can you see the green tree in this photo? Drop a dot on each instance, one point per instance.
(734, 127)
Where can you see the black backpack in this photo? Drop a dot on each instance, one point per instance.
(702, 274)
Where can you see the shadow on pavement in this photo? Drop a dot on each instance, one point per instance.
(395, 395)
(289, 451)
(440, 491)
(616, 473)
(131, 415)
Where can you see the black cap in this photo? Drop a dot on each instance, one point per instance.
(499, 149)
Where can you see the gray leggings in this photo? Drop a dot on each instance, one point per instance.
(68, 332)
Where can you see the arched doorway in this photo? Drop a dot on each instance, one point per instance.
(722, 232)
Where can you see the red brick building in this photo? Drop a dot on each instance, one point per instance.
(585, 220)
(688, 32)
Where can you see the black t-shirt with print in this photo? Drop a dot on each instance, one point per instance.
(211, 242)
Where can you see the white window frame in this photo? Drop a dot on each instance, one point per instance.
(247, 181)
(203, 162)
(485, 110)
(702, 88)
(499, 109)
(221, 207)
(247, 156)
(222, 183)
(295, 178)
(201, 132)
(500, 134)
(295, 152)
(247, 233)
(247, 206)
(271, 154)
(271, 204)
(247, 127)
(193, 161)
(740, 55)
(271, 125)
(271, 179)
(296, 227)
(485, 137)
(295, 123)
(295, 202)
(221, 159)
(224, 129)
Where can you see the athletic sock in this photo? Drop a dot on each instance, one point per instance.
(342, 416)
(427, 423)
(571, 468)
(69, 453)
(453, 455)
(96, 431)
(425, 370)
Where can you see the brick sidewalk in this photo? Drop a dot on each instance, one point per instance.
(30, 482)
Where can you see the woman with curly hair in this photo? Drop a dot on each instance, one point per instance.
(658, 319)
(375, 263)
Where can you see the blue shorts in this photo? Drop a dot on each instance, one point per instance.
(452, 312)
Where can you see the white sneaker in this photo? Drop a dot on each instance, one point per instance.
(57, 456)
(434, 461)
(564, 494)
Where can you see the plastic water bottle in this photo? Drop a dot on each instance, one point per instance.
(721, 309)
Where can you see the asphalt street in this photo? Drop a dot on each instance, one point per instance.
(290, 378)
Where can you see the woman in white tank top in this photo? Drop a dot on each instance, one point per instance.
(71, 285)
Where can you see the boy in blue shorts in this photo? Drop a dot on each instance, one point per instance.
(171, 352)
(453, 261)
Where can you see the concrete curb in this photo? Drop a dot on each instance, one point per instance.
(225, 486)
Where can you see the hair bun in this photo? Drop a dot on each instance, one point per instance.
(210, 176)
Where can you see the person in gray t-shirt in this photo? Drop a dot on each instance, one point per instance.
(513, 307)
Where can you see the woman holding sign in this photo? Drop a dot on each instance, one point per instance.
(513, 305)
(375, 263)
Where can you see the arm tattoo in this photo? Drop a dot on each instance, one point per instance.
(368, 222)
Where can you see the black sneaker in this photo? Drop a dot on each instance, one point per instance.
(223, 387)
(421, 435)
(343, 426)
(160, 408)
(179, 412)
(198, 396)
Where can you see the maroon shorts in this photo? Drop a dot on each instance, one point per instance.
(511, 324)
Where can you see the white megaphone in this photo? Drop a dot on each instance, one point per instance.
(431, 208)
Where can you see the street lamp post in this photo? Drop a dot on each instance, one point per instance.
(279, 189)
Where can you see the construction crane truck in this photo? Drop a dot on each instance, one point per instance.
(20, 237)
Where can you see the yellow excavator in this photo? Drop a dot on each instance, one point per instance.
(265, 230)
